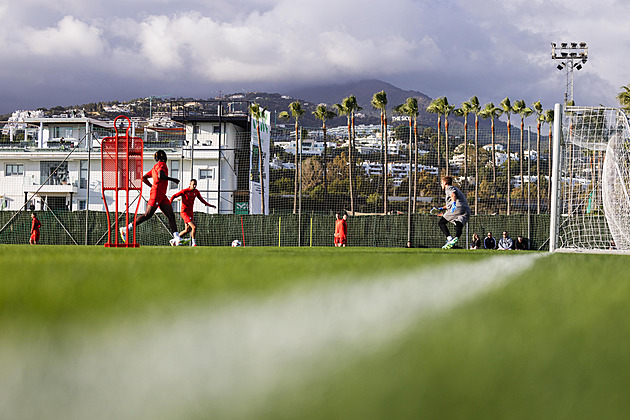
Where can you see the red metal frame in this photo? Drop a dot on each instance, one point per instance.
(121, 170)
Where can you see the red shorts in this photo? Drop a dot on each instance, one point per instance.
(186, 217)
(35, 236)
(158, 201)
(340, 240)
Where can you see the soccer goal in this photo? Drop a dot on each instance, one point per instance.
(590, 197)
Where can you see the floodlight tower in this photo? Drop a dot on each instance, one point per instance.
(570, 55)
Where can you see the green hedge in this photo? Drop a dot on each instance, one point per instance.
(69, 228)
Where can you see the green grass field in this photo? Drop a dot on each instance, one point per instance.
(312, 333)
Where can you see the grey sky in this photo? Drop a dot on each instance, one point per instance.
(69, 52)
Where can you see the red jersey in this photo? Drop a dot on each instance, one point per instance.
(188, 199)
(36, 225)
(159, 186)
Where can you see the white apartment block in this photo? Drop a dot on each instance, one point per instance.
(55, 163)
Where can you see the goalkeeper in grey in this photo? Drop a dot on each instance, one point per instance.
(456, 211)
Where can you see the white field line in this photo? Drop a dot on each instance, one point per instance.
(229, 359)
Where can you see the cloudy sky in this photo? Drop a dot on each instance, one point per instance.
(68, 52)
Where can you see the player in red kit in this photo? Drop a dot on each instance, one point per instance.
(34, 230)
(158, 198)
(188, 200)
(341, 231)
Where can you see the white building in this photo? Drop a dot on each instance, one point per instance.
(398, 171)
(56, 163)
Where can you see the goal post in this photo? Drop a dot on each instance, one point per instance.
(590, 196)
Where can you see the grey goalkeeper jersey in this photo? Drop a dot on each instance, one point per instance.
(462, 210)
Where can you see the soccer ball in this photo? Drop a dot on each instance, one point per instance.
(236, 242)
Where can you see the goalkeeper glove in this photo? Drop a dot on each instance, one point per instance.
(453, 208)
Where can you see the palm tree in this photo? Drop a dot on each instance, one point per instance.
(507, 110)
(435, 107)
(379, 101)
(463, 112)
(323, 114)
(348, 107)
(524, 111)
(624, 98)
(492, 112)
(537, 109)
(296, 112)
(258, 114)
(410, 108)
(475, 108)
(446, 110)
(549, 116)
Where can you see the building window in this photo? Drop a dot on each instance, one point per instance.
(206, 173)
(83, 174)
(63, 132)
(82, 204)
(174, 172)
(55, 172)
(13, 169)
(217, 129)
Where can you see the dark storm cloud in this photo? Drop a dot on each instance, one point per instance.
(71, 52)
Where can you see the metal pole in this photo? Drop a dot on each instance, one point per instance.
(89, 168)
(555, 181)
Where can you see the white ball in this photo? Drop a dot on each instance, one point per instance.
(236, 242)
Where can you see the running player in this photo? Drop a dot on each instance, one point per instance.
(188, 200)
(456, 211)
(34, 230)
(158, 198)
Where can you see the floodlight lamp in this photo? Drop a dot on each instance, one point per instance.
(560, 66)
(574, 45)
(583, 44)
(573, 54)
(553, 45)
(578, 66)
(584, 60)
(564, 54)
(563, 45)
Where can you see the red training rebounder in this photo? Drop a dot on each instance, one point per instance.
(121, 170)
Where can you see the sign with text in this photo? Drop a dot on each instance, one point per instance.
(259, 152)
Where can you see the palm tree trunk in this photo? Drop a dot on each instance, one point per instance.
(350, 164)
(521, 162)
(476, 163)
(509, 175)
(446, 145)
(384, 142)
(295, 187)
(538, 168)
(438, 143)
(494, 159)
(465, 153)
(415, 165)
(409, 207)
(324, 163)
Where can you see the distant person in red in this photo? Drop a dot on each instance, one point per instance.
(158, 198)
(341, 230)
(188, 200)
(34, 230)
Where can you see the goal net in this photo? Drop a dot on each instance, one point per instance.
(591, 180)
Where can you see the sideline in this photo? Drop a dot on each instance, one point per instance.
(231, 359)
